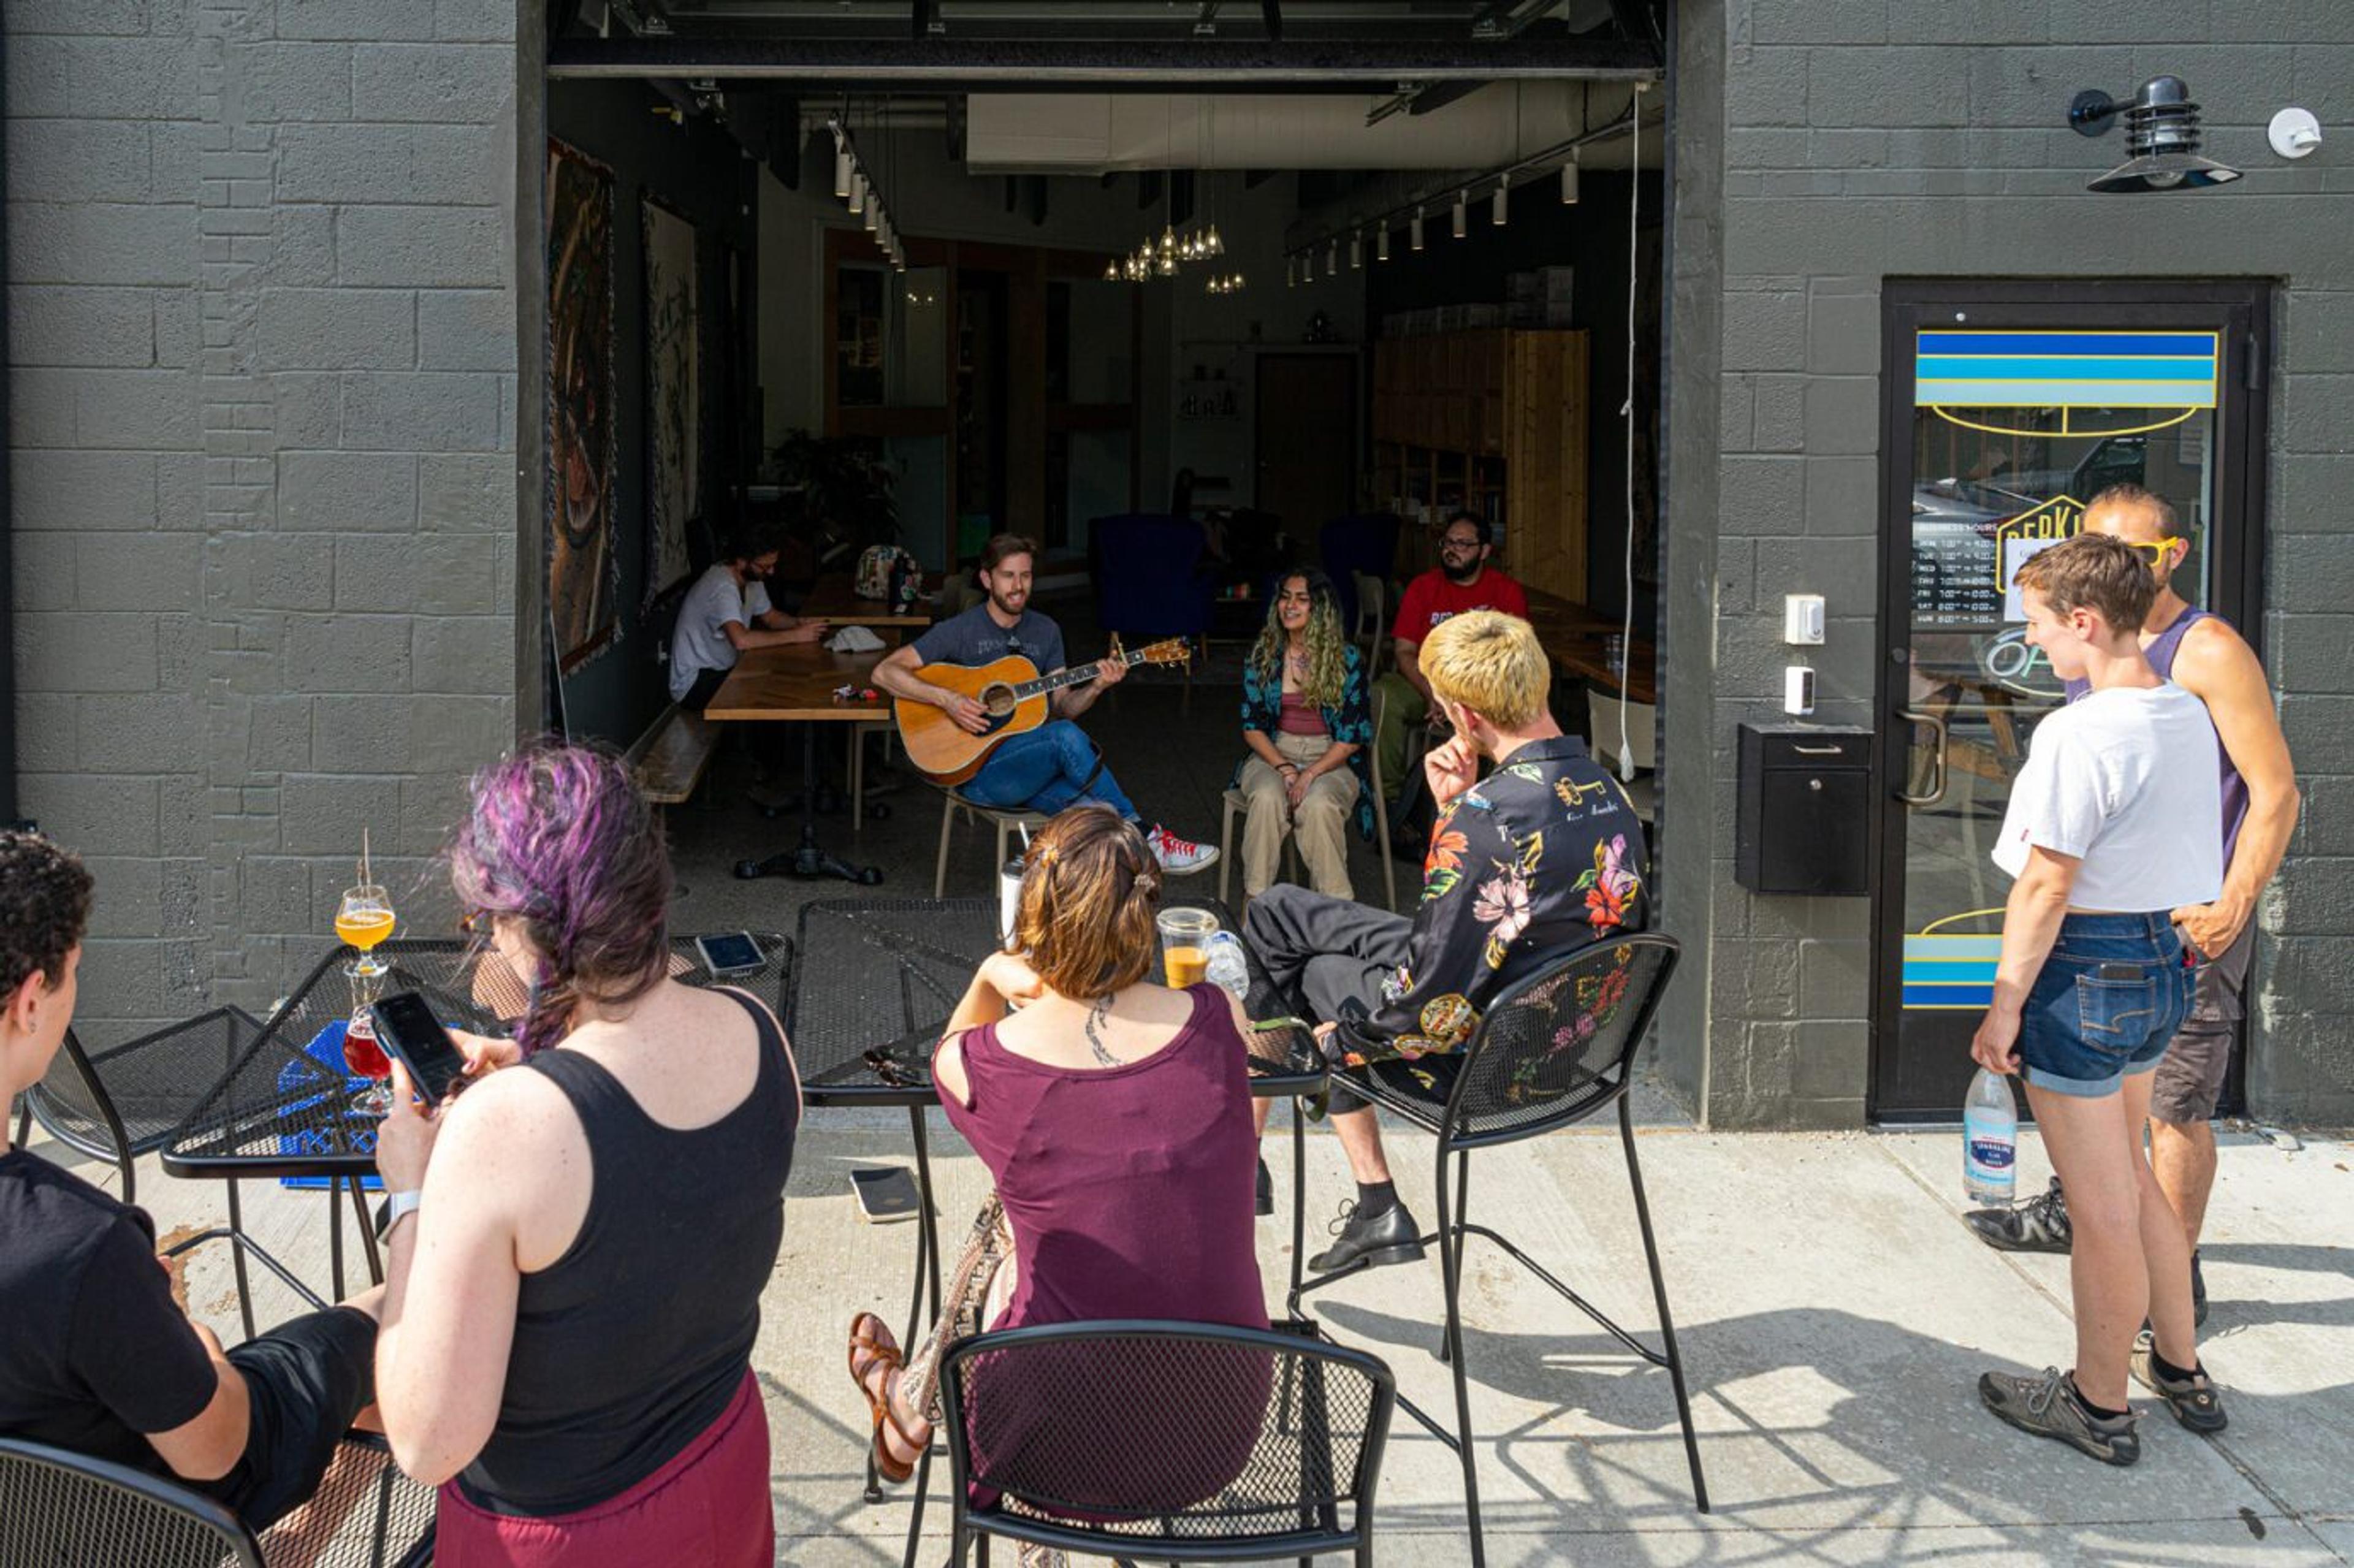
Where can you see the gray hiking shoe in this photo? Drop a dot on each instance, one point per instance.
(2192, 1399)
(2050, 1406)
(2040, 1224)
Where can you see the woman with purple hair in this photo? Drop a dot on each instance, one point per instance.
(577, 1245)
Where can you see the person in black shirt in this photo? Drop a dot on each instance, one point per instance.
(1542, 855)
(95, 1355)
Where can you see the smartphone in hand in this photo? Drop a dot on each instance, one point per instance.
(412, 1036)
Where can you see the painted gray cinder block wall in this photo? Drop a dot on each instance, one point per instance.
(1871, 139)
(262, 304)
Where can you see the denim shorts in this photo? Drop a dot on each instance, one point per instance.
(2112, 994)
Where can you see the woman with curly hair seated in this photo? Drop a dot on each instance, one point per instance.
(1306, 724)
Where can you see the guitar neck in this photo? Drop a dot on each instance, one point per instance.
(1078, 675)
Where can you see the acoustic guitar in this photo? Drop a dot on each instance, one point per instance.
(1011, 692)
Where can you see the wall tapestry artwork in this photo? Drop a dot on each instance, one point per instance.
(584, 573)
(673, 397)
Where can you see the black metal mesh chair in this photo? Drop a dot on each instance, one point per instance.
(60, 1510)
(123, 1103)
(1553, 1050)
(1157, 1440)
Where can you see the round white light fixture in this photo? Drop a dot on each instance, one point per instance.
(2294, 133)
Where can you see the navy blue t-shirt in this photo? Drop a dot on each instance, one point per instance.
(973, 638)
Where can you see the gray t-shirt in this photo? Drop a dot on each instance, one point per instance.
(972, 638)
(698, 643)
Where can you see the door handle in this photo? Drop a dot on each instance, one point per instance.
(1937, 787)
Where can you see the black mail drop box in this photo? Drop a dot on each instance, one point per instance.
(1806, 806)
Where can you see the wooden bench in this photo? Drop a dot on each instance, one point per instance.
(671, 758)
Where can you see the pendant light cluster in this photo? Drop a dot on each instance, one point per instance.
(1299, 266)
(858, 190)
(1162, 258)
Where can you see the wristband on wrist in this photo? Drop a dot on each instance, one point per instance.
(398, 1206)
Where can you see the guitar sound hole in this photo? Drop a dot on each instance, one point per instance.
(998, 700)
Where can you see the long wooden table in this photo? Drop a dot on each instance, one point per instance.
(1584, 658)
(1559, 619)
(794, 683)
(797, 681)
(831, 602)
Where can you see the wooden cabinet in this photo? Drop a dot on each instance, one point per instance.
(1492, 419)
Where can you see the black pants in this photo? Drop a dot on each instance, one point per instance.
(1325, 958)
(308, 1377)
(706, 686)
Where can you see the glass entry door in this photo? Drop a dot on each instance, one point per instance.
(2010, 407)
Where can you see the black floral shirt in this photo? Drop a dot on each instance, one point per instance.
(1543, 855)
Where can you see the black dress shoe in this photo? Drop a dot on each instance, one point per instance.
(1266, 1205)
(1390, 1236)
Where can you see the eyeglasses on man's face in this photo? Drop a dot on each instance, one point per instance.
(1457, 542)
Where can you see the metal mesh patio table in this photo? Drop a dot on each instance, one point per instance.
(283, 1108)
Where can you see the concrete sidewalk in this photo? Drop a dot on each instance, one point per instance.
(1835, 1315)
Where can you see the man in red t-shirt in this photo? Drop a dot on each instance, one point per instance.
(1462, 580)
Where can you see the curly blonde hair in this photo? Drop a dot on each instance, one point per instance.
(1327, 649)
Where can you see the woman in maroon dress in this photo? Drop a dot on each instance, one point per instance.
(1115, 1115)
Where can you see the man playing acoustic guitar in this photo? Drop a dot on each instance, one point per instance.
(1046, 768)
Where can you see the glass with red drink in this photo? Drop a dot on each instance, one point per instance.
(364, 1054)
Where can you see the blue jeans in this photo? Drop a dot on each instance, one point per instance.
(1044, 771)
(2109, 999)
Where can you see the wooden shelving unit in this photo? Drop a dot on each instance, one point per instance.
(1491, 420)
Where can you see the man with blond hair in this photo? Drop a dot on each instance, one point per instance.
(1542, 855)
(2200, 652)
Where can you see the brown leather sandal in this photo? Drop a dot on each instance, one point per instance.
(863, 1338)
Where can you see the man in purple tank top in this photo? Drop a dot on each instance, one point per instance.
(2202, 654)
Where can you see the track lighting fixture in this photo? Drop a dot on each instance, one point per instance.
(1462, 202)
(1569, 180)
(1499, 204)
(1357, 249)
(1381, 243)
(1414, 230)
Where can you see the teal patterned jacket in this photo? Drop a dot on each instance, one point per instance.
(1350, 723)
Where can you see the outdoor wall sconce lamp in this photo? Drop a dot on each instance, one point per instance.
(2161, 132)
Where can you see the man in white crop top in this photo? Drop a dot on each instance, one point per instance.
(2111, 826)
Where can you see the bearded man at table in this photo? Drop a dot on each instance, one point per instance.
(1056, 765)
(1463, 581)
(96, 1357)
(727, 614)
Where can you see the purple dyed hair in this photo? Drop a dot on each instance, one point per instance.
(561, 838)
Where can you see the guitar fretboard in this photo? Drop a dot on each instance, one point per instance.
(1078, 675)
